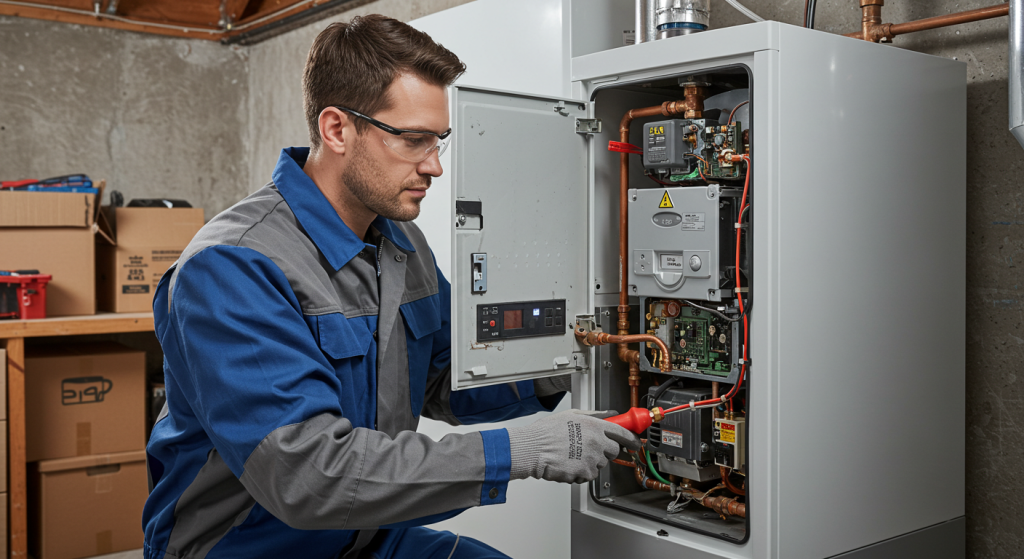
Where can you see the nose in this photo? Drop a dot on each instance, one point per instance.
(431, 165)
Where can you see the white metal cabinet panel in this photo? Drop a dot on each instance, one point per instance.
(521, 158)
(488, 35)
(870, 266)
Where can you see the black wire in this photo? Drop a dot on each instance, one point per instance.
(661, 389)
(810, 13)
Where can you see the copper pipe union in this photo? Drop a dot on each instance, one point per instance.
(726, 506)
(872, 28)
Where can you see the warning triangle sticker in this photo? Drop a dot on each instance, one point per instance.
(666, 202)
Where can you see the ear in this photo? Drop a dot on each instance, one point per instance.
(336, 130)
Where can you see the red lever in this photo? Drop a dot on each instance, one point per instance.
(637, 420)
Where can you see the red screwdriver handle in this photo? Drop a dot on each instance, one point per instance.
(637, 420)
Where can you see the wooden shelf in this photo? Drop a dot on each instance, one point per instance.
(102, 323)
(12, 337)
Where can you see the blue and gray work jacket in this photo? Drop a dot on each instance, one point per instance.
(298, 359)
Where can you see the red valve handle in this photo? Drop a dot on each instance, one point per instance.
(637, 420)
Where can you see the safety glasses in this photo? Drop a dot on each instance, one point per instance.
(414, 145)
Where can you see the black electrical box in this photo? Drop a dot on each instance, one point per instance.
(685, 434)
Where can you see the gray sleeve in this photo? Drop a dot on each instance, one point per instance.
(322, 474)
(437, 400)
(550, 386)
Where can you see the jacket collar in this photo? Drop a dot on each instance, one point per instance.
(335, 240)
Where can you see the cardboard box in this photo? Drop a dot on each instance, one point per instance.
(3, 384)
(83, 399)
(46, 209)
(3, 525)
(85, 506)
(54, 232)
(148, 241)
(66, 253)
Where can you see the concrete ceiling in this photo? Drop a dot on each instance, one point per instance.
(229, 21)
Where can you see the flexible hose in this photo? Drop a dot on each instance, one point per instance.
(744, 10)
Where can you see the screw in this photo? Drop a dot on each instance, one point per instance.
(607, 485)
(607, 364)
(462, 220)
(703, 447)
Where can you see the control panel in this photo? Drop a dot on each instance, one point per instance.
(503, 321)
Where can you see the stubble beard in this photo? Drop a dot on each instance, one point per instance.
(364, 178)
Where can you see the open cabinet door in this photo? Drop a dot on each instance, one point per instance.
(520, 240)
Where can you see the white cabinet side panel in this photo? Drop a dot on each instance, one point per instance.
(871, 292)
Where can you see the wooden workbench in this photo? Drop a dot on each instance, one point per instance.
(12, 336)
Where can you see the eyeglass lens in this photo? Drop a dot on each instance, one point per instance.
(416, 147)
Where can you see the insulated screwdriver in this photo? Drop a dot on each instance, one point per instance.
(637, 420)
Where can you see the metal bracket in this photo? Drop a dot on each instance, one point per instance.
(588, 126)
(560, 109)
(479, 270)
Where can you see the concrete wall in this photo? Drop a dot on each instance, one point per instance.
(995, 241)
(153, 116)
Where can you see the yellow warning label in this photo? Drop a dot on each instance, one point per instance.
(728, 433)
(666, 202)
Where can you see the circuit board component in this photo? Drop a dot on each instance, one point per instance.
(700, 342)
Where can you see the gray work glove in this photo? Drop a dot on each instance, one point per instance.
(549, 386)
(568, 447)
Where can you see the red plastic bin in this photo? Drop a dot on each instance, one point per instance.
(23, 294)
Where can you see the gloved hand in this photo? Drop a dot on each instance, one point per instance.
(568, 447)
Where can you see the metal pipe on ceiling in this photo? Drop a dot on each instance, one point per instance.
(1015, 77)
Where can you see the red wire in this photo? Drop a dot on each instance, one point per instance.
(746, 327)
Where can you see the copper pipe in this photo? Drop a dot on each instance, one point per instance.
(876, 30)
(634, 384)
(725, 506)
(694, 103)
(728, 482)
(622, 462)
(649, 483)
(714, 395)
(722, 505)
(603, 338)
(871, 17)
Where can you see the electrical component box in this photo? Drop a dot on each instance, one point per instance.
(672, 147)
(669, 146)
(730, 436)
(685, 434)
(674, 236)
(703, 345)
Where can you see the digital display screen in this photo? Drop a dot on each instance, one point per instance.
(513, 320)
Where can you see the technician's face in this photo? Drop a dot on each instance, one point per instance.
(387, 182)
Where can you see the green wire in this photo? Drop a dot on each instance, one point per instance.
(650, 465)
(677, 178)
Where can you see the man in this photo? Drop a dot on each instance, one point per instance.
(307, 328)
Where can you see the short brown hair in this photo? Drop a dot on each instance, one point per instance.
(353, 64)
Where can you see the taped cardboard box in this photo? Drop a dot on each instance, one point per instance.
(54, 233)
(85, 506)
(83, 399)
(47, 209)
(147, 241)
